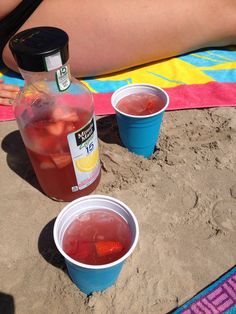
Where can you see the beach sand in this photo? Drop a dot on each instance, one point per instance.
(184, 198)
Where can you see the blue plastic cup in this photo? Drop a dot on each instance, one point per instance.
(139, 133)
(91, 278)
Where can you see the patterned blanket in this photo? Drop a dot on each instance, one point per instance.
(205, 78)
(219, 297)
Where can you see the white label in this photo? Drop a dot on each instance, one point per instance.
(85, 155)
(62, 78)
(53, 62)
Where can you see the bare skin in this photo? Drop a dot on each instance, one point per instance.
(108, 36)
(7, 6)
(8, 93)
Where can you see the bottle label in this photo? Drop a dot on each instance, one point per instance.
(53, 62)
(62, 78)
(85, 155)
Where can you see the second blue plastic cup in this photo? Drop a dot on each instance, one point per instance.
(139, 133)
(91, 278)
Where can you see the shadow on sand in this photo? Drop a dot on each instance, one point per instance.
(6, 303)
(48, 249)
(108, 130)
(18, 160)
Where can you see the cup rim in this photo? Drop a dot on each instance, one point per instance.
(140, 85)
(88, 266)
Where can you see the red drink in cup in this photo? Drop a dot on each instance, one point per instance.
(95, 234)
(97, 237)
(140, 104)
(139, 110)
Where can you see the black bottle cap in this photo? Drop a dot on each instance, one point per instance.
(40, 49)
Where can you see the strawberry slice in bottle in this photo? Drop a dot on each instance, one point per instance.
(61, 160)
(47, 164)
(71, 116)
(56, 128)
(65, 115)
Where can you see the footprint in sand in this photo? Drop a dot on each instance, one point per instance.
(224, 214)
(189, 199)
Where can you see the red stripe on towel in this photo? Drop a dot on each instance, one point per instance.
(213, 94)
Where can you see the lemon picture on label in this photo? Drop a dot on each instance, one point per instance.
(88, 163)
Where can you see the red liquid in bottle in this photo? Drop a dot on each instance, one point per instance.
(46, 142)
(97, 237)
(140, 104)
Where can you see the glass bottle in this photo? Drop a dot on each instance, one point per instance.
(55, 115)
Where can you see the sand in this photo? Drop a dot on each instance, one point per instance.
(184, 198)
